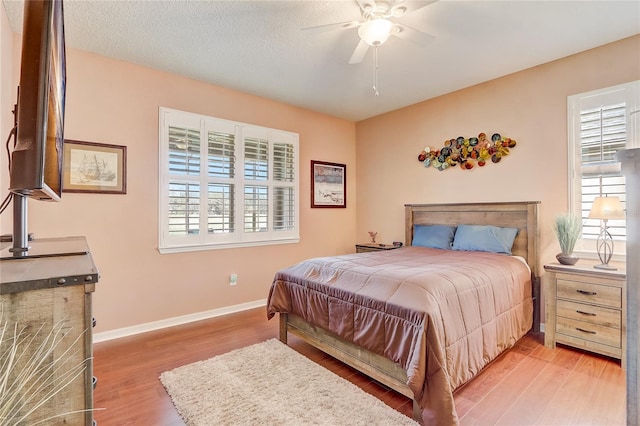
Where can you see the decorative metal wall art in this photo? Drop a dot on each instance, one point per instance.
(467, 152)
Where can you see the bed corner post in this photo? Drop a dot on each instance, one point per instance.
(283, 327)
(417, 412)
(533, 252)
(536, 283)
(408, 224)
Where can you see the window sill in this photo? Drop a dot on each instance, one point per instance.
(203, 247)
(617, 257)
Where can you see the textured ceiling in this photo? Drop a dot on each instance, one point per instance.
(257, 46)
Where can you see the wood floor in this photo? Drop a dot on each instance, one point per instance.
(528, 385)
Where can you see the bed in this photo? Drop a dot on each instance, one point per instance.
(422, 321)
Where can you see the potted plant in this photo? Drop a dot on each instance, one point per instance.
(568, 229)
(31, 376)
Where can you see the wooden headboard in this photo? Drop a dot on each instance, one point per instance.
(521, 214)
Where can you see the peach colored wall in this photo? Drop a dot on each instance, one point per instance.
(529, 106)
(115, 102)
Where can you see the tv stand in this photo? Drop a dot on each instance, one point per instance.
(20, 246)
(47, 247)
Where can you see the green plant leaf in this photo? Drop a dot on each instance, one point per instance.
(568, 228)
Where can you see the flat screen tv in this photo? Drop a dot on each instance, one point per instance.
(36, 161)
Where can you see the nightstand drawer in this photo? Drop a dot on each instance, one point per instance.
(589, 313)
(590, 293)
(586, 331)
(363, 248)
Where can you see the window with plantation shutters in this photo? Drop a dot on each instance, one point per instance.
(602, 134)
(225, 184)
(600, 125)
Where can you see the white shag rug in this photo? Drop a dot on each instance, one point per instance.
(270, 383)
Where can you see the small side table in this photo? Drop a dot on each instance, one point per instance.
(362, 248)
(586, 309)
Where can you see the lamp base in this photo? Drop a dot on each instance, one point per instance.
(604, 244)
(605, 266)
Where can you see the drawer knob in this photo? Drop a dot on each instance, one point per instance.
(591, 314)
(587, 293)
(585, 331)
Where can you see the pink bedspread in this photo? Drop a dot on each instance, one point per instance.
(442, 315)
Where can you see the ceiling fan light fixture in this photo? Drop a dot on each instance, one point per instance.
(375, 31)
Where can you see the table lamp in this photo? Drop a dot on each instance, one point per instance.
(605, 208)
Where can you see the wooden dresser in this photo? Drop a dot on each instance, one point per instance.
(586, 308)
(52, 286)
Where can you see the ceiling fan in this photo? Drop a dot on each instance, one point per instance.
(377, 25)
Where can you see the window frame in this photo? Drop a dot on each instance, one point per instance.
(629, 93)
(204, 239)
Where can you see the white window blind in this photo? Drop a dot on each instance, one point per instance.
(225, 184)
(221, 163)
(184, 187)
(602, 135)
(600, 125)
(284, 195)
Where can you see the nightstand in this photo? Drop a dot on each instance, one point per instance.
(362, 248)
(586, 308)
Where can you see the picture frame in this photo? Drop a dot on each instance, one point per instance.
(328, 185)
(94, 167)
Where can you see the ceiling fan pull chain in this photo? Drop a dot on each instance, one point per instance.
(375, 71)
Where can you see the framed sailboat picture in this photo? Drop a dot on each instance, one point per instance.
(94, 167)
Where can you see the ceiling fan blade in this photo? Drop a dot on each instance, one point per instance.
(414, 36)
(402, 7)
(330, 27)
(359, 53)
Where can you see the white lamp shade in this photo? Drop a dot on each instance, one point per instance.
(376, 31)
(606, 208)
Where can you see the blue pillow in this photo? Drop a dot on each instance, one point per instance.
(484, 238)
(433, 236)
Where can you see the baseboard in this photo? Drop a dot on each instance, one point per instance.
(170, 322)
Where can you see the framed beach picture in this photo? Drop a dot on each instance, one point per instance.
(94, 167)
(328, 184)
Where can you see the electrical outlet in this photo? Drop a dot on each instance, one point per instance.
(233, 279)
